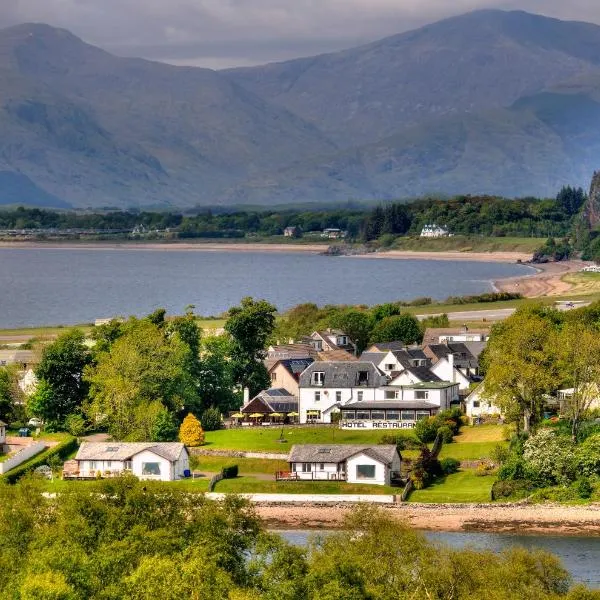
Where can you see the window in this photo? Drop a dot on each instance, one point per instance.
(362, 378)
(152, 468)
(343, 340)
(476, 403)
(363, 415)
(317, 396)
(359, 396)
(388, 367)
(318, 378)
(127, 465)
(93, 465)
(421, 394)
(338, 396)
(108, 464)
(306, 467)
(321, 466)
(365, 471)
(391, 394)
(273, 376)
(422, 414)
(348, 415)
(377, 415)
(408, 415)
(393, 415)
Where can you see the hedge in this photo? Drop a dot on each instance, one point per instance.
(61, 450)
(230, 472)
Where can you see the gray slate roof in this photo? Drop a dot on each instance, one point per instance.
(343, 374)
(386, 346)
(337, 453)
(462, 354)
(125, 450)
(423, 373)
(390, 405)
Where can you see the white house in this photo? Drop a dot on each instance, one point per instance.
(3, 427)
(476, 405)
(330, 340)
(378, 465)
(326, 386)
(441, 335)
(434, 231)
(164, 461)
(395, 361)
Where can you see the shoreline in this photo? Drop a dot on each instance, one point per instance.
(538, 519)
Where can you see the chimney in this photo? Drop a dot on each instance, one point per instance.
(451, 363)
(246, 396)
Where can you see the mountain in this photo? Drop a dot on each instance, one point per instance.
(494, 102)
(99, 130)
(477, 61)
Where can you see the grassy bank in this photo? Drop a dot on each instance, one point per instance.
(461, 243)
(464, 486)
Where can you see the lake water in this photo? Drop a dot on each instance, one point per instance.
(579, 555)
(66, 286)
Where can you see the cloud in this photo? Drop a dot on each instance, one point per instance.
(222, 33)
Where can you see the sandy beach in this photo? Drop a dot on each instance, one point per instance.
(521, 518)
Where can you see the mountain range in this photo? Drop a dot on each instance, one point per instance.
(503, 103)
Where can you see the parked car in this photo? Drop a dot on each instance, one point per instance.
(35, 422)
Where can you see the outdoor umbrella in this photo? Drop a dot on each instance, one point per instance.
(255, 415)
(276, 414)
(293, 414)
(237, 416)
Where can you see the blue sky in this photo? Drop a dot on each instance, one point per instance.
(223, 33)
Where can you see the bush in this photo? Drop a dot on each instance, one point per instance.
(514, 489)
(190, 432)
(500, 454)
(584, 488)
(513, 469)
(426, 429)
(449, 465)
(588, 456)
(402, 441)
(230, 472)
(62, 451)
(551, 456)
(446, 433)
(211, 419)
(483, 469)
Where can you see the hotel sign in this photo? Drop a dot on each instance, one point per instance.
(377, 424)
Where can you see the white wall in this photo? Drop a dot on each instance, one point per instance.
(147, 456)
(89, 468)
(316, 473)
(21, 457)
(485, 406)
(447, 372)
(328, 400)
(2, 435)
(382, 474)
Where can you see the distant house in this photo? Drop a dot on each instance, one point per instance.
(476, 405)
(333, 234)
(292, 232)
(286, 373)
(274, 401)
(442, 335)
(392, 362)
(165, 461)
(331, 339)
(376, 465)
(3, 427)
(23, 359)
(454, 362)
(434, 231)
(289, 351)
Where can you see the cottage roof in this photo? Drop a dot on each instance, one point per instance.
(374, 357)
(462, 354)
(337, 453)
(387, 346)
(423, 374)
(294, 366)
(335, 355)
(390, 405)
(125, 450)
(432, 334)
(344, 374)
(272, 400)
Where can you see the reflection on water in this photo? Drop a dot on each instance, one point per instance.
(579, 555)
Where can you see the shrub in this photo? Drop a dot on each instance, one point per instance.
(230, 472)
(514, 489)
(211, 419)
(513, 469)
(190, 432)
(402, 441)
(483, 469)
(75, 424)
(550, 456)
(500, 454)
(446, 433)
(449, 465)
(584, 488)
(426, 429)
(588, 456)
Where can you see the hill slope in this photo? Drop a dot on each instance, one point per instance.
(481, 60)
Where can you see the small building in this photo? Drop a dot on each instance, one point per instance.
(286, 373)
(292, 232)
(165, 461)
(477, 405)
(434, 231)
(376, 465)
(386, 414)
(454, 362)
(23, 359)
(330, 340)
(441, 335)
(276, 402)
(392, 362)
(3, 427)
(333, 233)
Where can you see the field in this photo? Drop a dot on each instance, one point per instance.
(463, 243)
(463, 486)
(214, 464)
(583, 283)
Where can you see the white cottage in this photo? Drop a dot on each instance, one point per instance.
(378, 465)
(3, 427)
(165, 461)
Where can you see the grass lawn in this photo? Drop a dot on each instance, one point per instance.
(246, 465)
(187, 485)
(463, 243)
(265, 439)
(469, 450)
(252, 485)
(480, 433)
(463, 486)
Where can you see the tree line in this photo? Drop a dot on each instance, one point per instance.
(122, 538)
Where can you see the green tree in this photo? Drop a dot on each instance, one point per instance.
(143, 370)
(9, 393)
(404, 327)
(250, 325)
(216, 384)
(42, 403)
(356, 324)
(519, 366)
(61, 367)
(164, 428)
(211, 419)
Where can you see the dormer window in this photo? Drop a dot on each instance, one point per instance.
(318, 345)
(342, 340)
(389, 367)
(318, 378)
(362, 378)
